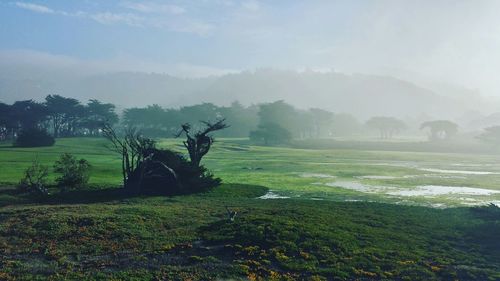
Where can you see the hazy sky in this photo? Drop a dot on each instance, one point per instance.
(453, 41)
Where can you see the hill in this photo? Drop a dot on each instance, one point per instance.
(360, 94)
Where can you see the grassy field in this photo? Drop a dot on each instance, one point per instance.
(320, 232)
(429, 179)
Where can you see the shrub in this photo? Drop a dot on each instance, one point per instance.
(34, 138)
(169, 173)
(74, 173)
(35, 178)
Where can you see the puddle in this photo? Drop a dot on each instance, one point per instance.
(375, 177)
(496, 203)
(369, 163)
(379, 177)
(426, 191)
(352, 185)
(433, 190)
(438, 205)
(272, 195)
(472, 165)
(391, 164)
(316, 175)
(467, 199)
(443, 176)
(464, 172)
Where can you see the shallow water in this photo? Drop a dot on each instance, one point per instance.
(375, 177)
(434, 190)
(441, 176)
(464, 172)
(353, 185)
(424, 191)
(315, 175)
(272, 195)
(496, 203)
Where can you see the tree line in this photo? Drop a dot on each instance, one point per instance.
(266, 123)
(275, 122)
(58, 116)
(67, 117)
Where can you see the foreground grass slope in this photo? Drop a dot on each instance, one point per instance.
(98, 235)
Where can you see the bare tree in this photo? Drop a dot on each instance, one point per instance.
(133, 148)
(199, 143)
(147, 169)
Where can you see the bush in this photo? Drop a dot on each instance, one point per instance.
(169, 173)
(35, 178)
(74, 172)
(34, 138)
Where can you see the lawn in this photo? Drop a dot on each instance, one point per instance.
(415, 178)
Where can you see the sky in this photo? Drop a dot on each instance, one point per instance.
(455, 41)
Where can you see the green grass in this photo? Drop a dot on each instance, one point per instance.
(280, 169)
(101, 234)
(86, 237)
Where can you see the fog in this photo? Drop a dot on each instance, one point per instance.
(367, 58)
(249, 140)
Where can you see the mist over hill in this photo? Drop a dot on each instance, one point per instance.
(360, 94)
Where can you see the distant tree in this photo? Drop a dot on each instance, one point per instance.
(194, 113)
(63, 113)
(97, 114)
(321, 121)
(153, 121)
(28, 114)
(345, 124)
(387, 126)
(28, 120)
(282, 114)
(136, 117)
(198, 143)
(7, 124)
(491, 135)
(310, 123)
(440, 129)
(303, 125)
(73, 172)
(270, 133)
(242, 119)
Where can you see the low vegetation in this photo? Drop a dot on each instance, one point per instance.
(84, 236)
(147, 169)
(35, 179)
(73, 172)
